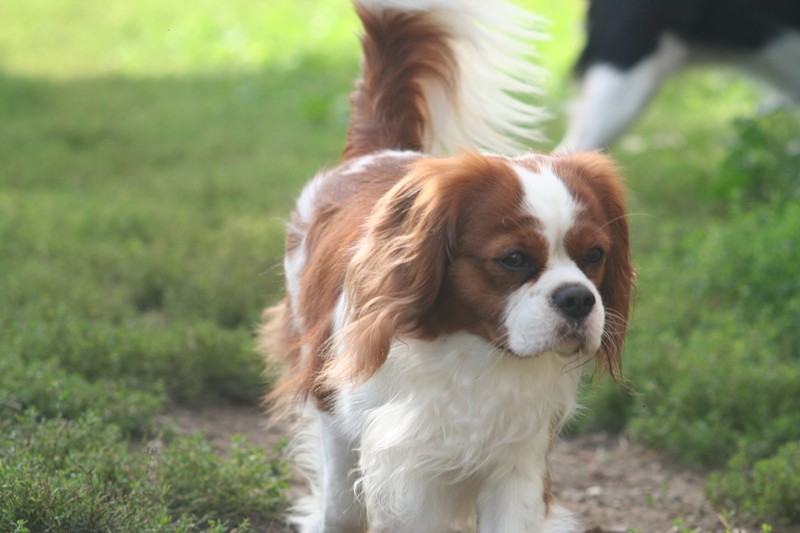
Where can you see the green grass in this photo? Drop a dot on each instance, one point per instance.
(148, 155)
(82, 475)
(149, 152)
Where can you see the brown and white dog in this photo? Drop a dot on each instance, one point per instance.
(440, 310)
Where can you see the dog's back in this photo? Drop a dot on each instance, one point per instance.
(633, 45)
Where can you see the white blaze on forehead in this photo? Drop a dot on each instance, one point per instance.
(549, 201)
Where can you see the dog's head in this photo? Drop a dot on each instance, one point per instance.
(531, 254)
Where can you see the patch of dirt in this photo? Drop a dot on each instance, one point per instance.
(612, 484)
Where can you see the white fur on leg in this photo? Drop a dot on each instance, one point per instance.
(328, 461)
(305, 451)
(779, 64)
(512, 498)
(560, 520)
(611, 99)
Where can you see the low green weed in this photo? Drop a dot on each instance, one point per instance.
(760, 487)
(45, 388)
(763, 158)
(84, 475)
(245, 482)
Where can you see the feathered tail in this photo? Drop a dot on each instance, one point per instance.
(439, 76)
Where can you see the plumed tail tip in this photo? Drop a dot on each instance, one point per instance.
(475, 89)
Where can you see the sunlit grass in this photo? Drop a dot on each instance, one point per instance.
(78, 38)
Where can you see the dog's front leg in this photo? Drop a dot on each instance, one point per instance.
(516, 503)
(513, 497)
(341, 511)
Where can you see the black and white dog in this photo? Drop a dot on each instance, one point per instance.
(633, 45)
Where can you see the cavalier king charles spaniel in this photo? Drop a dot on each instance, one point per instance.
(440, 309)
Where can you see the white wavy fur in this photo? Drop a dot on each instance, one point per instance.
(424, 430)
(493, 44)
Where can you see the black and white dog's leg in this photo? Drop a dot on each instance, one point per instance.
(778, 63)
(611, 98)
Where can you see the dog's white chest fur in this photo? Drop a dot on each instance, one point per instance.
(459, 389)
(442, 420)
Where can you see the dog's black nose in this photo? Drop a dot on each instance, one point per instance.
(574, 301)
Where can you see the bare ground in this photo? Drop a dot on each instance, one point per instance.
(612, 484)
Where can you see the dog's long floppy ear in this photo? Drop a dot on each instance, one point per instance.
(600, 174)
(394, 277)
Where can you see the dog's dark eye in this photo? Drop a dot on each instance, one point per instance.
(594, 256)
(515, 261)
